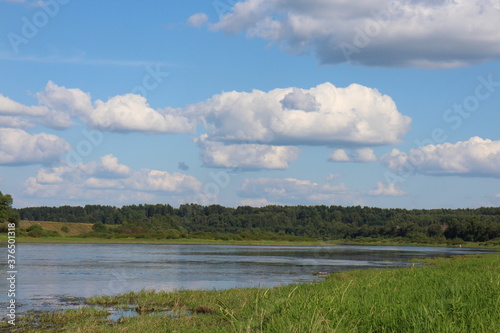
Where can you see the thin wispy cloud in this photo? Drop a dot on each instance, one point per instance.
(83, 61)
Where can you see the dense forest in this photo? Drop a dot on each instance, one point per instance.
(318, 222)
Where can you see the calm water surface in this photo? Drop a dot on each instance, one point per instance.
(51, 275)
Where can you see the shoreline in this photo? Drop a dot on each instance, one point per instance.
(195, 241)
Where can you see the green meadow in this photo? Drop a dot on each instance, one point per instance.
(459, 294)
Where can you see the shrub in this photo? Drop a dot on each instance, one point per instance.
(37, 231)
(35, 227)
(4, 227)
(99, 227)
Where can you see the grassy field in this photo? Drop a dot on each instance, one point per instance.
(74, 229)
(460, 294)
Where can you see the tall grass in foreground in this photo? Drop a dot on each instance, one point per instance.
(461, 294)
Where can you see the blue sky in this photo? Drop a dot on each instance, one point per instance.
(374, 103)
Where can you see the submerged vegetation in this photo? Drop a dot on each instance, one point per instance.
(459, 294)
(279, 223)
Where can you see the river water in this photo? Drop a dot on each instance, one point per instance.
(54, 276)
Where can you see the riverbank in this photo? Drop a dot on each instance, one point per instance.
(82, 233)
(132, 240)
(457, 294)
(194, 241)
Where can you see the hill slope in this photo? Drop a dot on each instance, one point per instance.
(73, 228)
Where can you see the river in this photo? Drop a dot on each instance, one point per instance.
(54, 276)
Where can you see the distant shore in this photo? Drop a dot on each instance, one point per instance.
(81, 233)
(196, 241)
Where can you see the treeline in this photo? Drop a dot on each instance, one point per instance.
(319, 222)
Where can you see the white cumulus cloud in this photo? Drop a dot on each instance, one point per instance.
(474, 157)
(108, 167)
(417, 33)
(323, 115)
(247, 156)
(131, 112)
(107, 179)
(44, 176)
(387, 190)
(58, 106)
(18, 147)
(156, 180)
(63, 104)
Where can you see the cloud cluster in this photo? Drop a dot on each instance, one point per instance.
(248, 130)
(253, 129)
(58, 105)
(278, 191)
(108, 177)
(18, 147)
(417, 33)
(475, 157)
(295, 190)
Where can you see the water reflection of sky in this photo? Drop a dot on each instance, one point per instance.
(49, 272)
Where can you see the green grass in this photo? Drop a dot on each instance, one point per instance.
(461, 294)
(133, 240)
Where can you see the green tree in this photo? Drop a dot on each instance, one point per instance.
(6, 211)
